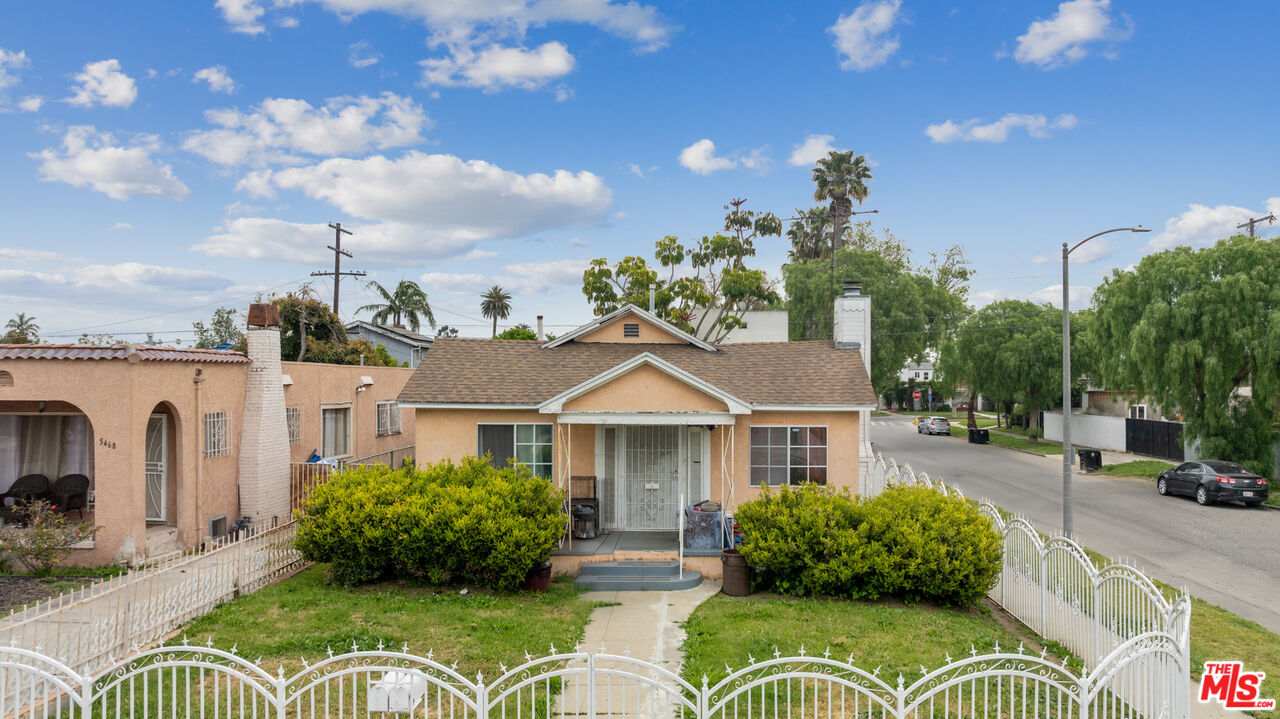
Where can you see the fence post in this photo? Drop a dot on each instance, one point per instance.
(482, 698)
(1044, 584)
(86, 695)
(591, 686)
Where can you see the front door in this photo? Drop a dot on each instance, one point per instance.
(157, 467)
(651, 476)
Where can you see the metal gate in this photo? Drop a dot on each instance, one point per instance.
(652, 476)
(1154, 438)
(157, 468)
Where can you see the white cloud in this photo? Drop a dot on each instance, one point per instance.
(1068, 36)
(238, 208)
(31, 103)
(700, 158)
(641, 172)
(1273, 206)
(757, 160)
(278, 128)
(577, 242)
(520, 278)
(479, 254)
(1203, 225)
(120, 226)
(126, 282)
(862, 36)
(814, 148)
(217, 78)
(1080, 296)
(374, 244)
(243, 16)
(472, 200)
(360, 57)
(10, 61)
(1037, 126)
(23, 255)
(94, 159)
(497, 67)
(103, 83)
(287, 21)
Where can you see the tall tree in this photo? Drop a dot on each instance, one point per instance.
(910, 314)
(840, 179)
(707, 296)
(810, 235)
(223, 328)
(22, 330)
(1198, 331)
(1009, 349)
(496, 304)
(308, 326)
(407, 302)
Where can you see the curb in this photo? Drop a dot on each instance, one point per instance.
(1013, 449)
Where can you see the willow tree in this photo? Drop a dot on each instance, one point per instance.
(1198, 331)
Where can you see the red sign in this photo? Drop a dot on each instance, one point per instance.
(1229, 684)
(915, 395)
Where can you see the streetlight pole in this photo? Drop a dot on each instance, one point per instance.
(1066, 375)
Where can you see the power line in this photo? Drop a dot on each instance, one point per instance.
(1269, 219)
(338, 254)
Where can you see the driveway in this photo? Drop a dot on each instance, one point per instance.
(1225, 554)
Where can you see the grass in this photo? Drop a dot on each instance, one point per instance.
(1148, 468)
(1005, 440)
(304, 616)
(890, 635)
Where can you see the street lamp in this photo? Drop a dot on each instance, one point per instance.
(1066, 374)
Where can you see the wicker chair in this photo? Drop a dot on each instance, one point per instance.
(70, 492)
(25, 490)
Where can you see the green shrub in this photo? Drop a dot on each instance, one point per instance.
(912, 543)
(442, 523)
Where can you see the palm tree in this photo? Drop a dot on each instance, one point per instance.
(408, 302)
(496, 303)
(841, 178)
(23, 327)
(809, 234)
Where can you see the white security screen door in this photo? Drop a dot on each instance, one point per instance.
(652, 476)
(697, 476)
(157, 467)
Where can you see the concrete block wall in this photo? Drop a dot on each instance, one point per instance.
(264, 437)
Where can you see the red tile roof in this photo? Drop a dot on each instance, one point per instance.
(109, 352)
(478, 371)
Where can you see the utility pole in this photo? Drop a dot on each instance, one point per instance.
(338, 254)
(1254, 221)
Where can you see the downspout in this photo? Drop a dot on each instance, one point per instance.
(199, 423)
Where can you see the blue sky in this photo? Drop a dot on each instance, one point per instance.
(162, 158)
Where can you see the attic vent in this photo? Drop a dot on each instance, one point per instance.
(630, 330)
(6, 379)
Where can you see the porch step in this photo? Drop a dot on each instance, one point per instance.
(636, 575)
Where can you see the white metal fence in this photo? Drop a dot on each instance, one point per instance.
(1101, 614)
(203, 682)
(87, 627)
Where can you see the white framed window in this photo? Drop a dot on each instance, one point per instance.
(388, 418)
(336, 429)
(215, 434)
(788, 455)
(529, 444)
(293, 416)
(1137, 411)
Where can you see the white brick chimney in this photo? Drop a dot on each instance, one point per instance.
(852, 330)
(264, 434)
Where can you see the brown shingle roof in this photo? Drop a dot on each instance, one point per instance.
(478, 371)
(101, 352)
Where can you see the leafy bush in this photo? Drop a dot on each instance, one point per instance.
(46, 539)
(910, 542)
(442, 523)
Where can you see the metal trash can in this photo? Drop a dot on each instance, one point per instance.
(584, 521)
(737, 575)
(1090, 459)
(979, 436)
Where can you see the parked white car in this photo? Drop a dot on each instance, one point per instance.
(934, 425)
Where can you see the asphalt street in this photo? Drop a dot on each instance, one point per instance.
(1228, 555)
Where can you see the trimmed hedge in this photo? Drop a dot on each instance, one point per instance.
(912, 543)
(441, 523)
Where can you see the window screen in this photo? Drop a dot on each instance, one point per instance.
(498, 441)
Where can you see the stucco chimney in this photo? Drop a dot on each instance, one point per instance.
(853, 322)
(541, 336)
(264, 432)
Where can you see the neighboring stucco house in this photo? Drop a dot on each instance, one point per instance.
(404, 345)
(757, 326)
(649, 415)
(179, 443)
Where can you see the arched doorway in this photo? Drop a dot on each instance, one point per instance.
(161, 462)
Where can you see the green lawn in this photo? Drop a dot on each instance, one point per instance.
(304, 616)
(890, 635)
(1005, 440)
(1148, 468)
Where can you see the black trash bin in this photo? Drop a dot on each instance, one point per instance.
(1090, 459)
(736, 574)
(979, 436)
